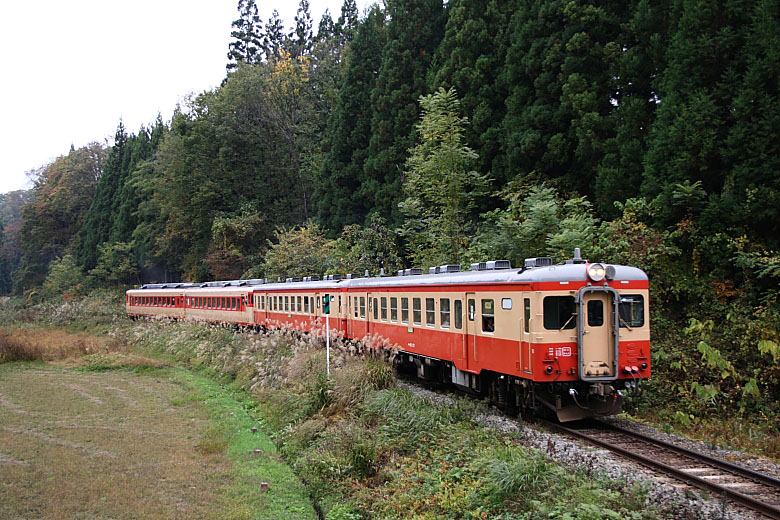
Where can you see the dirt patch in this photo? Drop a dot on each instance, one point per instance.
(103, 444)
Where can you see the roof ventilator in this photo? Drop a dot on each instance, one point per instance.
(479, 266)
(539, 261)
(494, 265)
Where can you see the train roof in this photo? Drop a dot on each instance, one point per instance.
(535, 270)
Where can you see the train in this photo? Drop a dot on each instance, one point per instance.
(569, 339)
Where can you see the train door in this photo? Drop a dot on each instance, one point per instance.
(372, 313)
(525, 335)
(471, 330)
(597, 334)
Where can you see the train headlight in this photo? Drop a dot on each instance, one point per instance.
(596, 272)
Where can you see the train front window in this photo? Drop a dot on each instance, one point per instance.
(595, 313)
(488, 316)
(632, 310)
(560, 312)
(404, 310)
(444, 309)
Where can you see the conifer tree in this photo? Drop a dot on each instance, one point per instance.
(414, 30)
(349, 130)
(470, 58)
(558, 72)
(347, 24)
(687, 140)
(273, 39)
(633, 93)
(247, 45)
(301, 37)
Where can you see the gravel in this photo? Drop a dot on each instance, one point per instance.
(680, 500)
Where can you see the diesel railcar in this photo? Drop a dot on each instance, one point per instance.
(569, 338)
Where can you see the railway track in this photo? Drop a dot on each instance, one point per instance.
(756, 491)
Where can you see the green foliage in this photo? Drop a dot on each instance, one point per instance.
(414, 30)
(441, 188)
(368, 248)
(298, 252)
(64, 278)
(246, 46)
(116, 263)
(536, 223)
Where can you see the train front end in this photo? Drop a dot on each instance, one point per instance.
(597, 321)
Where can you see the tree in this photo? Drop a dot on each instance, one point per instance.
(50, 224)
(64, 278)
(247, 44)
(441, 188)
(536, 222)
(471, 58)
(558, 69)
(298, 252)
(369, 248)
(273, 39)
(347, 24)
(301, 37)
(414, 30)
(339, 199)
(116, 263)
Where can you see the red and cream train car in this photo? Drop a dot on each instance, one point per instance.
(569, 337)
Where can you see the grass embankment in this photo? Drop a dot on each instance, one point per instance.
(101, 432)
(365, 448)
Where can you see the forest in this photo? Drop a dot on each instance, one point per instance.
(421, 132)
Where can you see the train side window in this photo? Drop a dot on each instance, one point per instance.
(404, 310)
(362, 306)
(300, 304)
(458, 314)
(444, 310)
(560, 312)
(472, 309)
(417, 310)
(595, 313)
(306, 304)
(430, 312)
(488, 316)
(632, 310)
(526, 314)
(384, 308)
(356, 305)
(311, 304)
(393, 309)
(262, 302)
(286, 304)
(376, 310)
(339, 304)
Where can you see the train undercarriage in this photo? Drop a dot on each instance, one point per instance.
(566, 401)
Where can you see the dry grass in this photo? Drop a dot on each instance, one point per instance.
(37, 344)
(104, 445)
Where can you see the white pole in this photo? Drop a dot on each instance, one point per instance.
(327, 343)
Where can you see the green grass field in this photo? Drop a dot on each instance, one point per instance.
(76, 442)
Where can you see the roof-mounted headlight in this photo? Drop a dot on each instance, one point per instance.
(596, 272)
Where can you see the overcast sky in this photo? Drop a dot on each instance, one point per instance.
(72, 69)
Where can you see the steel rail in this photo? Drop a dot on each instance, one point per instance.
(756, 505)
